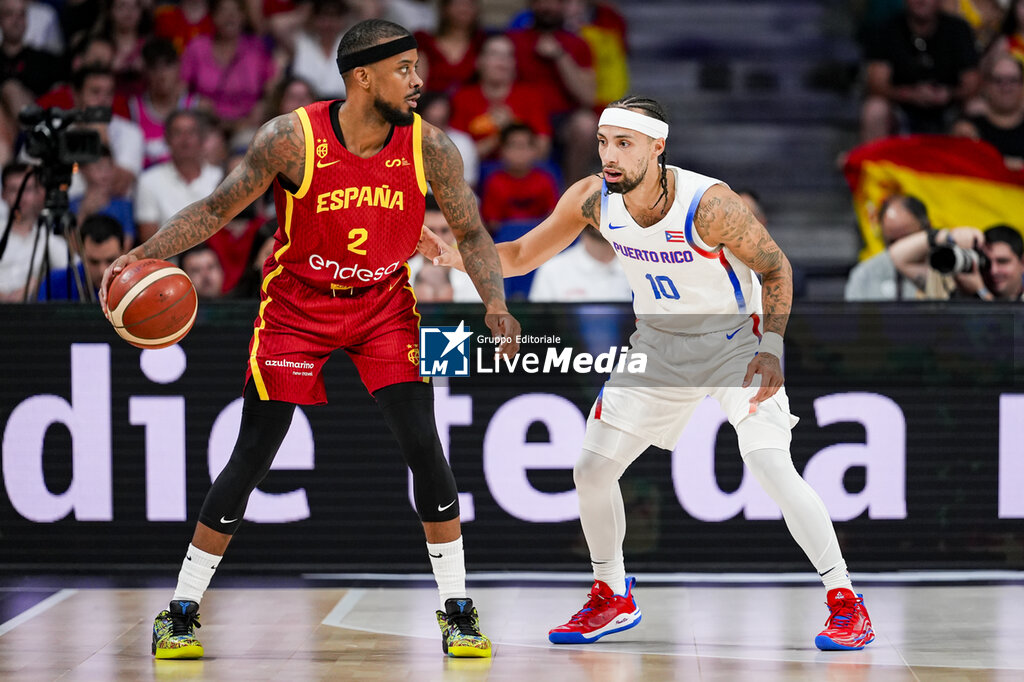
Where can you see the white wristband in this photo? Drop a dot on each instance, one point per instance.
(771, 343)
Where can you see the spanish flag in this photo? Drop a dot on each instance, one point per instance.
(961, 181)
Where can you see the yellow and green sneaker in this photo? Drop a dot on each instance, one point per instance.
(174, 631)
(460, 630)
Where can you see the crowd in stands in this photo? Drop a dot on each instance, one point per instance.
(953, 68)
(190, 81)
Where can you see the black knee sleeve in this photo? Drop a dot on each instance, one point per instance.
(409, 411)
(263, 428)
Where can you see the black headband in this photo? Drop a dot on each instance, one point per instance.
(376, 53)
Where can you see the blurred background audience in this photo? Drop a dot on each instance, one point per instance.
(922, 100)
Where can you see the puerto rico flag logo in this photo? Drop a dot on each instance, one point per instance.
(675, 236)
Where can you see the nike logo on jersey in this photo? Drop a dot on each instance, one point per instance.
(615, 227)
(729, 336)
(223, 520)
(321, 164)
(440, 508)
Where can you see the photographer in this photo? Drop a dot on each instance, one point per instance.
(963, 262)
(877, 279)
(1003, 279)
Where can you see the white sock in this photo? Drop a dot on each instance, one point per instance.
(195, 575)
(836, 577)
(449, 565)
(612, 573)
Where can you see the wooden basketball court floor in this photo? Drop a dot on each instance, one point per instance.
(751, 631)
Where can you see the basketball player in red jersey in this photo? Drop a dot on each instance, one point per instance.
(349, 184)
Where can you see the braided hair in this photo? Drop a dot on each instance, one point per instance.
(649, 107)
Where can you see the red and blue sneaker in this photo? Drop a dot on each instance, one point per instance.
(848, 626)
(604, 613)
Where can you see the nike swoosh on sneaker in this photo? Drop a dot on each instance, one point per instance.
(223, 520)
(440, 508)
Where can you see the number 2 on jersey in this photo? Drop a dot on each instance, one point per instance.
(358, 236)
(663, 286)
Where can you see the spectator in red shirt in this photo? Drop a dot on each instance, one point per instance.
(519, 191)
(182, 22)
(604, 28)
(233, 245)
(560, 64)
(496, 100)
(450, 54)
(89, 51)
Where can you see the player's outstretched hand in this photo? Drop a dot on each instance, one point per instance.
(505, 327)
(770, 369)
(108, 276)
(437, 251)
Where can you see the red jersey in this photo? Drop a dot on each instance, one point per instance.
(471, 111)
(443, 75)
(508, 198)
(543, 73)
(353, 221)
(170, 23)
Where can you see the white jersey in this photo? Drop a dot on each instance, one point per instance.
(680, 284)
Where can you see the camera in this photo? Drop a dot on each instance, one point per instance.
(950, 258)
(52, 138)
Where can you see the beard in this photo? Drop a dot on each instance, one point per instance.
(393, 115)
(627, 184)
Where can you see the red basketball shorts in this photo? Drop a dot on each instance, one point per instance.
(298, 327)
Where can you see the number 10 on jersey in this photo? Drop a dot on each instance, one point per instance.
(663, 286)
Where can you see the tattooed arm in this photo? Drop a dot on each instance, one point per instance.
(579, 206)
(443, 167)
(723, 219)
(277, 148)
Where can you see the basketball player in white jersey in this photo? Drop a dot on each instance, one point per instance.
(692, 252)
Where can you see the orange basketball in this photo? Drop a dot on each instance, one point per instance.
(152, 303)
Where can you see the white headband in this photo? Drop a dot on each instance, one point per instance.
(624, 118)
